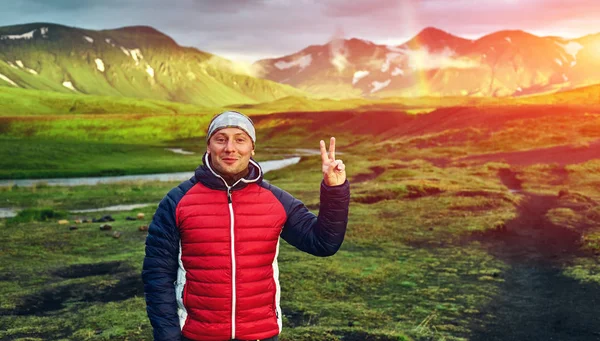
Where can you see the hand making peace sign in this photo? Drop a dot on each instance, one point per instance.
(334, 171)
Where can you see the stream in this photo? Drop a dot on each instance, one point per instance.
(266, 166)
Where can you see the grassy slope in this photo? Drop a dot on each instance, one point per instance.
(179, 74)
(21, 102)
(63, 158)
(74, 133)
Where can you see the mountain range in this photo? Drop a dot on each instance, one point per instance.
(134, 61)
(437, 63)
(142, 62)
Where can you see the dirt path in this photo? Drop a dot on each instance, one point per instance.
(536, 302)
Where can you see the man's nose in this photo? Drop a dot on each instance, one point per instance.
(230, 146)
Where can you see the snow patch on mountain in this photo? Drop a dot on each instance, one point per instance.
(150, 70)
(8, 80)
(22, 66)
(571, 48)
(389, 57)
(69, 85)
(90, 40)
(302, 62)
(136, 54)
(422, 59)
(12, 65)
(108, 41)
(508, 39)
(573, 63)
(397, 71)
(380, 85)
(395, 48)
(558, 61)
(385, 66)
(44, 31)
(340, 62)
(99, 64)
(358, 75)
(339, 55)
(565, 78)
(28, 35)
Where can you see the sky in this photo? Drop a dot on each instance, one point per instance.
(248, 30)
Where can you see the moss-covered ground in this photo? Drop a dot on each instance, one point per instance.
(453, 234)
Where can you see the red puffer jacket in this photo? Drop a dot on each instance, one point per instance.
(223, 289)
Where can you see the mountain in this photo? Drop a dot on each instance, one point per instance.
(137, 61)
(435, 40)
(437, 63)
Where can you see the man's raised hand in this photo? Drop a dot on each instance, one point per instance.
(334, 171)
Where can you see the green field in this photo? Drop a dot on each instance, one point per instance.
(457, 231)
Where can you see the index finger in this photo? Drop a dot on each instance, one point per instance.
(323, 151)
(332, 148)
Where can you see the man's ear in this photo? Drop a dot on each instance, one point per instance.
(253, 153)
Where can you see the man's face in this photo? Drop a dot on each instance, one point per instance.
(230, 150)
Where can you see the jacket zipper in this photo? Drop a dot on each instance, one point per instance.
(233, 274)
(232, 236)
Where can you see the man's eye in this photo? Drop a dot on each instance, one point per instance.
(220, 140)
(241, 140)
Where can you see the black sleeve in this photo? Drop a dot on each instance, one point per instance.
(160, 267)
(320, 235)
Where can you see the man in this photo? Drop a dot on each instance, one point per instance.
(210, 271)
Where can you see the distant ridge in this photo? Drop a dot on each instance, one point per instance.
(437, 63)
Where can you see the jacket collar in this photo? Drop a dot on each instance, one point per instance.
(206, 175)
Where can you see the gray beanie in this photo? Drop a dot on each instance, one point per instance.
(231, 119)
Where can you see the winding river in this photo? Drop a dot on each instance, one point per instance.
(266, 166)
(180, 176)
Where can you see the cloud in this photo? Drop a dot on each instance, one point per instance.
(302, 62)
(338, 52)
(235, 67)
(422, 59)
